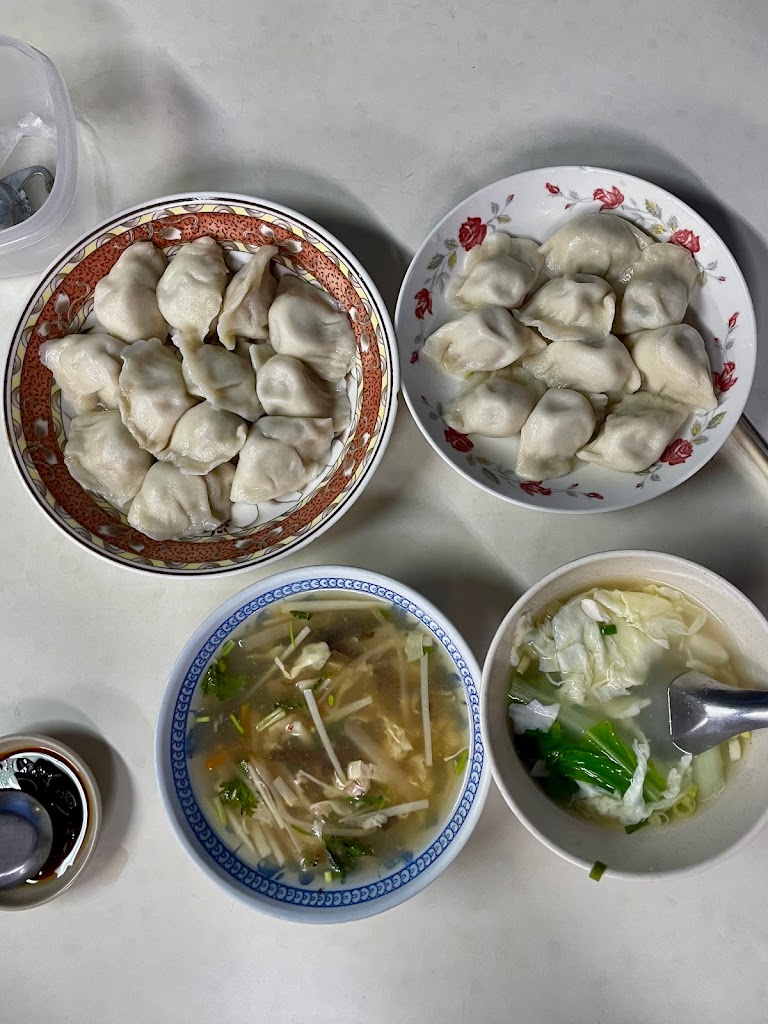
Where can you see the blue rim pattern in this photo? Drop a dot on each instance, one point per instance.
(246, 875)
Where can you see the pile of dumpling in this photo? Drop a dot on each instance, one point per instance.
(174, 432)
(540, 346)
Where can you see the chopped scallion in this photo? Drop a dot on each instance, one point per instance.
(234, 721)
(331, 700)
(461, 761)
(228, 647)
(629, 829)
(608, 628)
(200, 719)
(598, 870)
(291, 633)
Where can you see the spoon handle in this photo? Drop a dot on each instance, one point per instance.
(741, 710)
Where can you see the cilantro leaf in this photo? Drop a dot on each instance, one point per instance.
(238, 795)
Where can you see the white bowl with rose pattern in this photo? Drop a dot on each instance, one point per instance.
(534, 204)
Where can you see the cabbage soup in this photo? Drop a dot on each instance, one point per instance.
(588, 703)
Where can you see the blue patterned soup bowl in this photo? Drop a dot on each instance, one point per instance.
(249, 847)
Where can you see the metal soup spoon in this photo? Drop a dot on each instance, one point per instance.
(704, 713)
(26, 836)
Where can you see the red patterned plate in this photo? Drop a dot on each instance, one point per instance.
(63, 301)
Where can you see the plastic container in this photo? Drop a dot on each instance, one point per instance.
(31, 83)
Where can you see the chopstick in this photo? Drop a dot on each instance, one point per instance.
(752, 443)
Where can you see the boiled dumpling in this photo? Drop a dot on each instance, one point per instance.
(561, 423)
(659, 290)
(306, 322)
(247, 300)
(259, 354)
(104, 458)
(499, 272)
(673, 362)
(311, 436)
(636, 433)
(124, 302)
(152, 393)
(87, 368)
(268, 468)
(495, 406)
(595, 243)
(599, 402)
(203, 438)
(172, 505)
(225, 379)
(286, 387)
(191, 290)
(571, 307)
(485, 339)
(596, 365)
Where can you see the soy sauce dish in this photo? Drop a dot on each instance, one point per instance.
(575, 718)
(60, 781)
(318, 746)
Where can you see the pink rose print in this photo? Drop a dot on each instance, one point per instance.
(472, 232)
(725, 380)
(423, 303)
(677, 452)
(687, 239)
(460, 442)
(534, 487)
(610, 198)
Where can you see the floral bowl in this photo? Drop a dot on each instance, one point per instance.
(534, 204)
(61, 304)
(262, 887)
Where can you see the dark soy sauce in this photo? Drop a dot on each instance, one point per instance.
(43, 777)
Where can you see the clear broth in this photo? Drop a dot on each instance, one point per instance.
(653, 720)
(368, 696)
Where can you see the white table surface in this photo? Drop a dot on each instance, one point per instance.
(375, 118)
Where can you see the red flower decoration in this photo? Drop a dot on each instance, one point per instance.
(687, 239)
(534, 486)
(414, 357)
(677, 452)
(732, 321)
(472, 232)
(610, 198)
(460, 442)
(553, 189)
(725, 380)
(594, 494)
(423, 303)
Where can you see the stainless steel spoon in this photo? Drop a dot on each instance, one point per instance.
(26, 836)
(703, 712)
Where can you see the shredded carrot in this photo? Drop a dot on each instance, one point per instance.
(219, 758)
